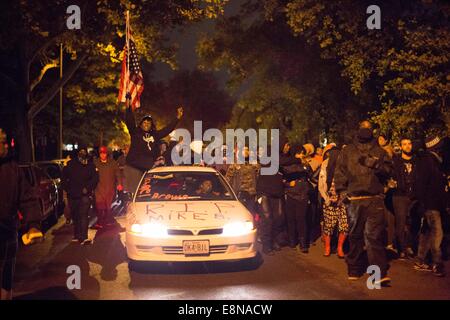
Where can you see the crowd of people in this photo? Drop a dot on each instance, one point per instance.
(374, 201)
(363, 200)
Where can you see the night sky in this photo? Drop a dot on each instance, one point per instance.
(187, 40)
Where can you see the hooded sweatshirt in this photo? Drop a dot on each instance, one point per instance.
(144, 148)
(16, 194)
(362, 169)
(77, 176)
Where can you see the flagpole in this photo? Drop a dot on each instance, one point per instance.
(128, 50)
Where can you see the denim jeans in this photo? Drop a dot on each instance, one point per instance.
(402, 208)
(8, 252)
(132, 177)
(80, 212)
(272, 219)
(298, 218)
(366, 229)
(431, 237)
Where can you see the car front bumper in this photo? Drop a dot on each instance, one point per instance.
(141, 248)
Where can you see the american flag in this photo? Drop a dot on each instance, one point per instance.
(131, 79)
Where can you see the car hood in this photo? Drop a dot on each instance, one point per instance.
(188, 214)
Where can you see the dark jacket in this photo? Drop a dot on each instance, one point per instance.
(400, 175)
(362, 169)
(301, 174)
(77, 176)
(430, 182)
(144, 148)
(270, 185)
(332, 155)
(16, 194)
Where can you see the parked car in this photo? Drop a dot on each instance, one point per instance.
(54, 170)
(45, 189)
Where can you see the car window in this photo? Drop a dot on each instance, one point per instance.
(182, 186)
(41, 176)
(53, 171)
(27, 172)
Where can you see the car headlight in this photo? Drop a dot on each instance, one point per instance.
(153, 230)
(234, 229)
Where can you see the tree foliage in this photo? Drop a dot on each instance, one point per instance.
(317, 63)
(31, 32)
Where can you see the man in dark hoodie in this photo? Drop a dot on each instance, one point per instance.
(361, 172)
(143, 149)
(16, 195)
(270, 199)
(79, 180)
(298, 190)
(431, 194)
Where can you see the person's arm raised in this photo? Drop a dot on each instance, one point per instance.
(170, 127)
(130, 121)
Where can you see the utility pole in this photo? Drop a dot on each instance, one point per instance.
(60, 140)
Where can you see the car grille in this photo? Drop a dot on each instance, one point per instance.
(182, 232)
(179, 250)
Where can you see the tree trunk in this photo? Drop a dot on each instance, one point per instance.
(23, 101)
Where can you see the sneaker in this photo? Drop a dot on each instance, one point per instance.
(438, 270)
(420, 266)
(409, 253)
(276, 247)
(384, 282)
(268, 251)
(390, 247)
(86, 242)
(302, 249)
(354, 277)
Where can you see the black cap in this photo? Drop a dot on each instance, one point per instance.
(433, 142)
(146, 117)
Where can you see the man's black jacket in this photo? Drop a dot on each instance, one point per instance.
(430, 183)
(77, 176)
(144, 148)
(399, 174)
(362, 169)
(15, 194)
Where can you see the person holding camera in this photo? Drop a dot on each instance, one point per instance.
(362, 170)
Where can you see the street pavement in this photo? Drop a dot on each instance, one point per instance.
(105, 274)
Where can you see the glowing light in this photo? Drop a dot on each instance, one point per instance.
(151, 230)
(237, 229)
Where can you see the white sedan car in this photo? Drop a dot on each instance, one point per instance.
(186, 213)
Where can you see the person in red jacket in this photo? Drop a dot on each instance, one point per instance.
(110, 179)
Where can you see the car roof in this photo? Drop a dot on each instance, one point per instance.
(182, 169)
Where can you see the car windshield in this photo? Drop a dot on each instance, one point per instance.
(182, 186)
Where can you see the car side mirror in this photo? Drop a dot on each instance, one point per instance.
(128, 196)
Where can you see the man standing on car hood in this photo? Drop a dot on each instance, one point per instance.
(16, 195)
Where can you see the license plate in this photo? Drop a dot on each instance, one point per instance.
(196, 247)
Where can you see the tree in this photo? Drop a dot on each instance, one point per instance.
(408, 57)
(397, 75)
(31, 31)
(289, 86)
